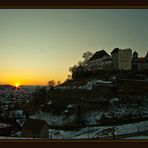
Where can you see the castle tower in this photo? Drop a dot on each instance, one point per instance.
(121, 59)
(135, 55)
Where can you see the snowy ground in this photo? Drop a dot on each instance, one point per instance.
(88, 132)
(2, 125)
(88, 86)
(53, 119)
(94, 132)
(18, 138)
(126, 131)
(137, 137)
(92, 117)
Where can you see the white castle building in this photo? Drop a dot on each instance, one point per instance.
(121, 59)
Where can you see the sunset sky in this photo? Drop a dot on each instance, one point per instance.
(38, 45)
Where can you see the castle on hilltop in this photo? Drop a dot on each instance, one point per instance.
(119, 60)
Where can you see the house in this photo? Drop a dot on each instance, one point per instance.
(121, 59)
(100, 60)
(139, 64)
(5, 129)
(33, 128)
(18, 114)
(9, 126)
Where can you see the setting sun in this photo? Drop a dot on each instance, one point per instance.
(17, 85)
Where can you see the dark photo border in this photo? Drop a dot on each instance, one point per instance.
(74, 4)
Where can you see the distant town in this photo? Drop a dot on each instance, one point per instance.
(104, 97)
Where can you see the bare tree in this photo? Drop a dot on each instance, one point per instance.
(86, 56)
(51, 83)
(81, 63)
(69, 77)
(71, 69)
(58, 82)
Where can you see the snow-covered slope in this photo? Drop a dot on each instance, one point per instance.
(100, 131)
(56, 120)
(88, 85)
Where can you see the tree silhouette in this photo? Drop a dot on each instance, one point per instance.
(51, 84)
(82, 63)
(58, 82)
(86, 56)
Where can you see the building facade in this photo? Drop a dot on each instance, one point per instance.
(101, 60)
(121, 59)
(33, 128)
(139, 64)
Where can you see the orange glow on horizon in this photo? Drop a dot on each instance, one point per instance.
(31, 76)
(26, 79)
(17, 84)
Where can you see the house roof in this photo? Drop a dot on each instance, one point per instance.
(17, 114)
(115, 50)
(34, 124)
(140, 60)
(146, 57)
(99, 54)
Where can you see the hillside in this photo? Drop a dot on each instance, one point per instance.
(4, 87)
(92, 101)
